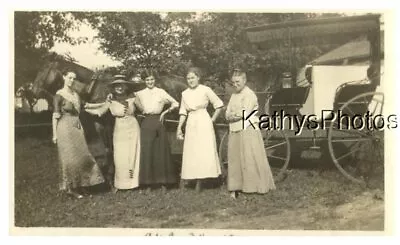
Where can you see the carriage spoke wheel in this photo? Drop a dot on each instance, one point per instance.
(223, 154)
(357, 149)
(277, 148)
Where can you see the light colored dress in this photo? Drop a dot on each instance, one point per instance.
(200, 158)
(248, 167)
(126, 145)
(126, 142)
(156, 165)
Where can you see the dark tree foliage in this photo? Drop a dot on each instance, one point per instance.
(218, 45)
(142, 39)
(167, 42)
(35, 33)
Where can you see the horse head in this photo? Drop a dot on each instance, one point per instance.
(49, 79)
(98, 90)
(173, 85)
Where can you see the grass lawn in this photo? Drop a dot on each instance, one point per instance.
(305, 200)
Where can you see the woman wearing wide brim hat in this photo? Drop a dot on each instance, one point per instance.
(130, 86)
(126, 136)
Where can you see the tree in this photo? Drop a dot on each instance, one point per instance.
(169, 42)
(218, 45)
(35, 34)
(142, 39)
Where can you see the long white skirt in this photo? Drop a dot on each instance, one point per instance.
(200, 158)
(126, 152)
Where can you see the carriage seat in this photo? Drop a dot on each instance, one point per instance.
(289, 99)
(347, 91)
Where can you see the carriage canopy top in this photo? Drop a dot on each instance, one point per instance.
(308, 31)
(320, 31)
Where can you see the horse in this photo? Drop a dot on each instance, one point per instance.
(93, 88)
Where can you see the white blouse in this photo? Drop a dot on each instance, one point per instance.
(153, 100)
(199, 98)
(246, 100)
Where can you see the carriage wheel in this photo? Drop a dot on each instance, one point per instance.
(355, 152)
(277, 147)
(223, 154)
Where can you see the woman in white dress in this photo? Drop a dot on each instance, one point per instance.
(126, 136)
(200, 158)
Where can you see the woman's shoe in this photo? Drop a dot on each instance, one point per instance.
(148, 190)
(114, 190)
(85, 193)
(74, 194)
(182, 184)
(198, 186)
(163, 189)
(234, 194)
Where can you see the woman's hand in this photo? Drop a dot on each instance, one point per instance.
(109, 97)
(216, 114)
(162, 116)
(236, 117)
(230, 117)
(54, 139)
(179, 134)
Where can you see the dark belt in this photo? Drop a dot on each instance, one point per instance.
(151, 115)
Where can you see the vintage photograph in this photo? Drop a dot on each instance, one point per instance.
(260, 121)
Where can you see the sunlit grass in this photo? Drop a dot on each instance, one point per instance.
(312, 194)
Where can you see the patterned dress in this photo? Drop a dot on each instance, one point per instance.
(156, 166)
(200, 158)
(78, 167)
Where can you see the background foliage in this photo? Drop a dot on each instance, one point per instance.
(35, 33)
(168, 42)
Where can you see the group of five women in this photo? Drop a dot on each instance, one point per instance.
(142, 154)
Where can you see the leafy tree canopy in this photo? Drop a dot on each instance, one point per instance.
(170, 42)
(167, 42)
(35, 34)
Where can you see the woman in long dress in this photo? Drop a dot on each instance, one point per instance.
(200, 158)
(156, 166)
(126, 136)
(78, 167)
(248, 167)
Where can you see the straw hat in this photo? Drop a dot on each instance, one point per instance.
(121, 81)
(132, 86)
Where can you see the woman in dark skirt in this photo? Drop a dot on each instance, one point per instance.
(156, 166)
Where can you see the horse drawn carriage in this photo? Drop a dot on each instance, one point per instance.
(348, 90)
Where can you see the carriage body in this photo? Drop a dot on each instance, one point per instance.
(350, 90)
